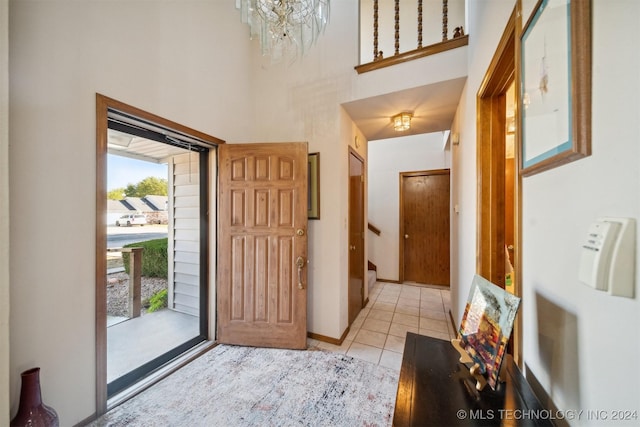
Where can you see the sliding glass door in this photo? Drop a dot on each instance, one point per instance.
(152, 244)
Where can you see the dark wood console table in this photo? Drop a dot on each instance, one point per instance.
(435, 389)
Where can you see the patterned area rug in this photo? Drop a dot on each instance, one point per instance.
(246, 386)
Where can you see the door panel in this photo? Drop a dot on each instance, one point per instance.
(425, 227)
(262, 235)
(356, 235)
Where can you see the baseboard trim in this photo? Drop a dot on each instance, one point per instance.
(453, 322)
(330, 340)
(379, 279)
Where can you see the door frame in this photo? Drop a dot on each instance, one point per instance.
(401, 215)
(363, 292)
(105, 105)
(491, 134)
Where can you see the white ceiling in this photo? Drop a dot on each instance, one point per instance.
(433, 107)
(124, 144)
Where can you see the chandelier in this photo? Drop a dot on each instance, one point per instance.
(287, 28)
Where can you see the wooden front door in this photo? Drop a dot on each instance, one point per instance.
(424, 227)
(262, 245)
(356, 235)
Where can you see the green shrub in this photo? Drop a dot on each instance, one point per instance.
(155, 262)
(158, 301)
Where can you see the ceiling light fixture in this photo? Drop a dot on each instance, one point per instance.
(287, 28)
(401, 122)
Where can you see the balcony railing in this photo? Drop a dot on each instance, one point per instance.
(383, 42)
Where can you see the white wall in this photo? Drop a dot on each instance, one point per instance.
(169, 58)
(387, 158)
(4, 213)
(563, 202)
(575, 338)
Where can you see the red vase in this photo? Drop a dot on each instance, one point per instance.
(32, 412)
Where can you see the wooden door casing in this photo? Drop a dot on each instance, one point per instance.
(424, 227)
(356, 235)
(491, 171)
(262, 232)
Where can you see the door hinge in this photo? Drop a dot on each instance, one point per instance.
(362, 178)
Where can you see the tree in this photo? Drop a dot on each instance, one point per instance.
(131, 190)
(116, 194)
(152, 186)
(148, 186)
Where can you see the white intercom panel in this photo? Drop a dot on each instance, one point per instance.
(607, 262)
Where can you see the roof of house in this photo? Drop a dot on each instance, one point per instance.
(138, 204)
(158, 203)
(116, 206)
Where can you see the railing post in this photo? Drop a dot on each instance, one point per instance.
(419, 24)
(445, 19)
(135, 282)
(375, 30)
(397, 19)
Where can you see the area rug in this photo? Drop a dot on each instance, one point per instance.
(246, 386)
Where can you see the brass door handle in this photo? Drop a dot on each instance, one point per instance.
(300, 265)
(406, 236)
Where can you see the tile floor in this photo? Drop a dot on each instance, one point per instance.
(378, 333)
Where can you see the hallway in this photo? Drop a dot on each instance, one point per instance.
(378, 333)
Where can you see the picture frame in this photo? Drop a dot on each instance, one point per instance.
(313, 193)
(555, 85)
(486, 326)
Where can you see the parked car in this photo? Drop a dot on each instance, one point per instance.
(131, 219)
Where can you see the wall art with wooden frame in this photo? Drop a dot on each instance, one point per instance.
(555, 85)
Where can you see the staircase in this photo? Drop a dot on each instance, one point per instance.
(372, 275)
(371, 279)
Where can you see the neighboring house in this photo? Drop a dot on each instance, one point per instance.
(153, 207)
(61, 53)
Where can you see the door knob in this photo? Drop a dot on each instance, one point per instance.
(510, 247)
(406, 236)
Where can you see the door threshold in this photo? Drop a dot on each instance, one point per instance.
(159, 374)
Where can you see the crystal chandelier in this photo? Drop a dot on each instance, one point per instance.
(287, 28)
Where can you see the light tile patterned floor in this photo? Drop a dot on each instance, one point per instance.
(378, 333)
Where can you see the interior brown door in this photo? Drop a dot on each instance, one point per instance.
(356, 235)
(424, 227)
(262, 245)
